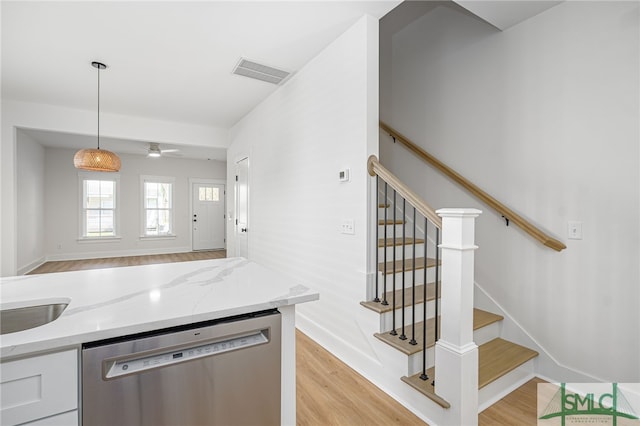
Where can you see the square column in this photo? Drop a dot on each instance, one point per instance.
(456, 354)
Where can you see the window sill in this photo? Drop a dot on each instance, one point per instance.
(158, 237)
(99, 239)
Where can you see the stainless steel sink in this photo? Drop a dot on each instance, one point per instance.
(24, 318)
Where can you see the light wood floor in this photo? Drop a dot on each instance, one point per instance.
(115, 262)
(328, 391)
(517, 408)
(331, 393)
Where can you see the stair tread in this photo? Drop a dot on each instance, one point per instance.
(390, 222)
(394, 266)
(380, 308)
(398, 242)
(383, 206)
(425, 387)
(495, 358)
(484, 318)
(480, 319)
(498, 357)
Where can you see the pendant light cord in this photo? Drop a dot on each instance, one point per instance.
(98, 107)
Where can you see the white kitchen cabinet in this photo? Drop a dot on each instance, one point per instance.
(70, 418)
(43, 388)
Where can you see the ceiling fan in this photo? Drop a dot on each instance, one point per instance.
(154, 150)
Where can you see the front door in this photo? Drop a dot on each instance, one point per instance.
(208, 216)
(242, 208)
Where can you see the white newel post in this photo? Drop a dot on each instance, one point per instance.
(456, 355)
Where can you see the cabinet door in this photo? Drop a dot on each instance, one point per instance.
(38, 387)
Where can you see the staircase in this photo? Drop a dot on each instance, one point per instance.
(407, 305)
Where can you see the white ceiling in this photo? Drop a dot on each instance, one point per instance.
(121, 146)
(166, 60)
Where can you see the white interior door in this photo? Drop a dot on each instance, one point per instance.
(208, 216)
(242, 208)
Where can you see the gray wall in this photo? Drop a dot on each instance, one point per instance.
(56, 204)
(30, 203)
(544, 116)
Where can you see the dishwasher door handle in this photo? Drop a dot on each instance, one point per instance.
(129, 364)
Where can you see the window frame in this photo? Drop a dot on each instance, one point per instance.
(82, 222)
(143, 207)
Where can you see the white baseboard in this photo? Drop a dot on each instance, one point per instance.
(115, 253)
(31, 266)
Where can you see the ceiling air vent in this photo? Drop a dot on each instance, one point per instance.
(260, 72)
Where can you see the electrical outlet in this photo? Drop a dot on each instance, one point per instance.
(347, 226)
(574, 230)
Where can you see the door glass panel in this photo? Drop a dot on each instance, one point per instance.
(208, 193)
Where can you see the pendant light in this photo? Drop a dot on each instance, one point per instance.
(99, 160)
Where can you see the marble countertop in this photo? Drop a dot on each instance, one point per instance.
(106, 303)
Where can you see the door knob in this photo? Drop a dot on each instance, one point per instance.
(195, 220)
(243, 230)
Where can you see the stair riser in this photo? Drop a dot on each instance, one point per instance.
(408, 252)
(408, 278)
(394, 360)
(408, 232)
(414, 361)
(387, 317)
(408, 216)
(499, 388)
(487, 333)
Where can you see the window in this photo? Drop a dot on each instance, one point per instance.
(208, 193)
(157, 209)
(99, 204)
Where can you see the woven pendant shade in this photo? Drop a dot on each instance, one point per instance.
(98, 160)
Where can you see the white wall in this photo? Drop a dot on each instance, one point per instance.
(322, 120)
(17, 115)
(30, 198)
(62, 208)
(545, 117)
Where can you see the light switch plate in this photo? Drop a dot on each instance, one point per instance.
(348, 227)
(574, 230)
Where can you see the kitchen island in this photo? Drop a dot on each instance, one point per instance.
(110, 303)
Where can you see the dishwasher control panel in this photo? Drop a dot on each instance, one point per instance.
(130, 365)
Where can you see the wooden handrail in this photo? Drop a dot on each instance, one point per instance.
(505, 211)
(375, 168)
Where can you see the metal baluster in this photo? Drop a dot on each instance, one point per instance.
(376, 299)
(384, 276)
(424, 376)
(404, 244)
(413, 284)
(393, 297)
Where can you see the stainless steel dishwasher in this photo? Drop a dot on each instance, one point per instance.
(223, 372)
